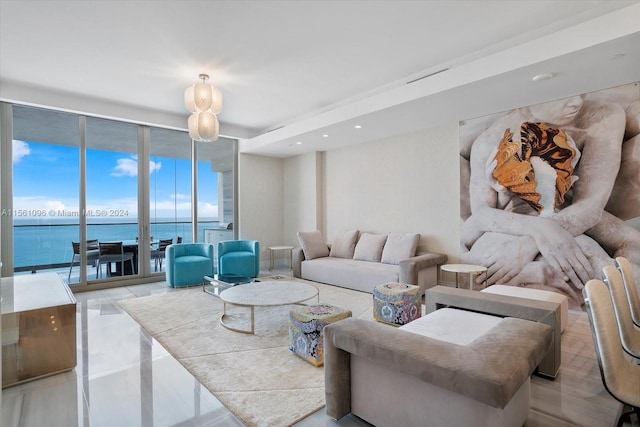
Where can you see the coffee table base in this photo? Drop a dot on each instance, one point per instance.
(242, 331)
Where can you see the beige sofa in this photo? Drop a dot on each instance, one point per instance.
(360, 261)
(449, 368)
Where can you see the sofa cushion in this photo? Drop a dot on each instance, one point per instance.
(399, 246)
(369, 247)
(348, 273)
(344, 244)
(313, 244)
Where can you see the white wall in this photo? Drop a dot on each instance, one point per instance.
(303, 208)
(260, 204)
(408, 183)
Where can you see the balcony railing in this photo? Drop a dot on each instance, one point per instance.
(46, 247)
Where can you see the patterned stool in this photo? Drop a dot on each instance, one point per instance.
(396, 303)
(305, 329)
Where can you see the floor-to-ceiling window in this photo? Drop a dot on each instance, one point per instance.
(76, 181)
(169, 191)
(111, 184)
(45, 205)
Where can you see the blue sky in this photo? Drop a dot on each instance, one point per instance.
(46, 178)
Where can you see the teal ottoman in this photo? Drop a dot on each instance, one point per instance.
(396, 303)
(305, 330)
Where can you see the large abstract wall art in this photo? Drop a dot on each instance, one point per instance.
(550, 193)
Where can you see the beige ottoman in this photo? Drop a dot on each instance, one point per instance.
(537, 294)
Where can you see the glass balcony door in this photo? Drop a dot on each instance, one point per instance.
(169, 191)
(111, 188)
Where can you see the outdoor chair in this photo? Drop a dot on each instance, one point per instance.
(91, 255)
(159, 254)
(113, 252)
(620, 376)
(239, 258)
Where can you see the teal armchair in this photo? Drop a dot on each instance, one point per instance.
(188, 263)
(239, 258)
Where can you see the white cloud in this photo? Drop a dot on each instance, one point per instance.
(20, 150)
(126, 167)
(129, 167)
(180, 196)
(207, 210)
(154, 166)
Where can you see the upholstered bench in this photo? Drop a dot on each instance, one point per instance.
(305, 329)
(396, 303)
(537, 294)
(451, 367)
(535, 310)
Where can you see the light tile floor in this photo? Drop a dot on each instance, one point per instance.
(125, 378)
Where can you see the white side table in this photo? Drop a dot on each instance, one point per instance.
(470, 269)
(273, 249)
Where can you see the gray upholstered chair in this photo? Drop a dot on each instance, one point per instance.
(113, 252)
(629, 332)
(630, 286)
(158, 254)
(620, 376)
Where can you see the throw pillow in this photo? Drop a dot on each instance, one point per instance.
(369, 247)
(400, 246)
(344, 244)
(313, 244)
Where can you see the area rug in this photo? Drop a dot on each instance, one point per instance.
(256, 376)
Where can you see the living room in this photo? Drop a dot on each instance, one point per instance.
(400, 171)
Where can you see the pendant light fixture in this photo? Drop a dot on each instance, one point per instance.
(204, 101)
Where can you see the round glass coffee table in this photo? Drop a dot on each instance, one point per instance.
(265, 294)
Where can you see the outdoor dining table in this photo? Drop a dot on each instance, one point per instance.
(128, 246)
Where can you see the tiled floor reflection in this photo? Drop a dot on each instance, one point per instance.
(125, 378)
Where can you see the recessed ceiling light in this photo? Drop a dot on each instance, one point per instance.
(299, 142)
(325, 136)
(540, 77)
(358, 126)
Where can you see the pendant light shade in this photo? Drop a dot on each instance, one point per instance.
(204, 101)
(203, 126)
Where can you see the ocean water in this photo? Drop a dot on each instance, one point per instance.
(47, 244)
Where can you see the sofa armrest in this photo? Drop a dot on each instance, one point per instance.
(482, 370)
(297, 256)
(411, 267)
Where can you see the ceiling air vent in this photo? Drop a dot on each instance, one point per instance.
(428, 75)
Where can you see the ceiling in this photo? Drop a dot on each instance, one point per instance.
(293, 71)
